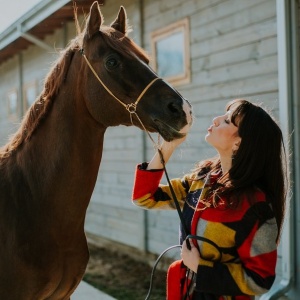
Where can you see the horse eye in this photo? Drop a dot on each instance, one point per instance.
(111, 63)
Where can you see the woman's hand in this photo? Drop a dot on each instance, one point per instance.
(190, 257)
(167, 149)
(175, 143)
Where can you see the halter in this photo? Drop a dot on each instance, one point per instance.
(130, 107)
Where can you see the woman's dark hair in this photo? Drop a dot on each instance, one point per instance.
(259, 163)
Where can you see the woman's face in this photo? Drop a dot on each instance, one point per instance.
(223, 135)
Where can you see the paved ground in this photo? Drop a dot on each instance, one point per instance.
(87, 292)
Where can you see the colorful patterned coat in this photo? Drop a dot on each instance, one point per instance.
(246, 236)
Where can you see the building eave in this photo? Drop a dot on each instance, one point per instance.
(43, 19)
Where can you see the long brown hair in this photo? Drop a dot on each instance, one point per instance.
(259, 163)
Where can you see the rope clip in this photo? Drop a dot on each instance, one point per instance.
(131, 108)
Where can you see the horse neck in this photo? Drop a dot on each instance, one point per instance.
(67, 149)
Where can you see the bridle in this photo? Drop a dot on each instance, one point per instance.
(130, 107)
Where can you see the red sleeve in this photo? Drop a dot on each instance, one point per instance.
(145, 182)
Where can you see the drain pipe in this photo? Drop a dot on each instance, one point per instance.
(145, 244)
(285, 19)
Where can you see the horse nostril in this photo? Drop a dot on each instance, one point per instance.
(173, 107)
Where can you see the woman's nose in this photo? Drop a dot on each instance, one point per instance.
(215, 121)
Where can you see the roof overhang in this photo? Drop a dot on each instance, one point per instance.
(42, 20)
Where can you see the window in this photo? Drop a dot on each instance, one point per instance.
(30, 91)
(171, 53)
(12, 104)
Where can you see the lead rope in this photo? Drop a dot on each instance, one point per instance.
(184, 226)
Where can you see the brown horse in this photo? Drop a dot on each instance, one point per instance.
(49, 168)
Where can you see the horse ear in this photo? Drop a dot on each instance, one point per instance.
(95, 20)
(120, 23)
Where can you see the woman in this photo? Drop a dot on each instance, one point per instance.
(233, 204)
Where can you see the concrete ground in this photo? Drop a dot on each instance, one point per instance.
(87, 292)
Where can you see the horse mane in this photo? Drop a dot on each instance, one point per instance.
(55, 78)
(43, 103)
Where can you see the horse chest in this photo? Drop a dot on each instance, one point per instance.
(55, 278)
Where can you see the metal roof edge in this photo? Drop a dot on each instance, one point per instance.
(30, 19)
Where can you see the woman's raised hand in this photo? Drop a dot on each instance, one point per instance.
(175, 143)
(167, 149)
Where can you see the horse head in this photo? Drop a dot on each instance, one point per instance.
(118, 76)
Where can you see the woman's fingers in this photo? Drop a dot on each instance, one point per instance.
(190, 257)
